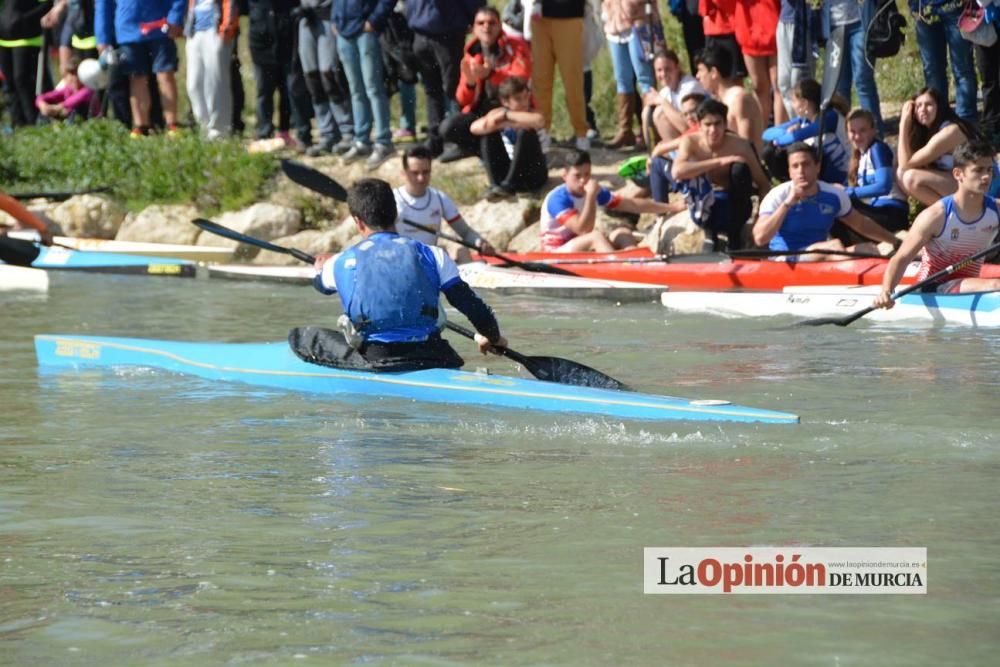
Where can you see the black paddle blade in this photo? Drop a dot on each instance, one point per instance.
(226, 232)
(17, 251)
(564, 371)
(313, 179)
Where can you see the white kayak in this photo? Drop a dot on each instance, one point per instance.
(478, 275)
(23, 278)
(194, 253)
(979, 309)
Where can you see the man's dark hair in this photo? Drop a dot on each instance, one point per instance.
(417, 153)
(698, 99)
(486, 9)
(667, 53)
(802, 147)
(371, 201)
(512, 85)
(712, 107)
(719, 58)
(971, 152)
(577, 159)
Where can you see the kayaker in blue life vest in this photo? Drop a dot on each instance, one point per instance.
(389, 287)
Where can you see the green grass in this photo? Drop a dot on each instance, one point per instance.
(213, 176)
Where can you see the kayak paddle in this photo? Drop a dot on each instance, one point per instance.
(549, 369)
(317, 181)
(58, 196)
(18, 252)
(934, 277)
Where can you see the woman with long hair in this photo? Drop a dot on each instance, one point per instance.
(929, 130)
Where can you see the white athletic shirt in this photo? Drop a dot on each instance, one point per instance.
(427, 210)
(959, 239)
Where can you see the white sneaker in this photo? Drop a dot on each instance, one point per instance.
(380, 153)
(356, 152)
(582, 144)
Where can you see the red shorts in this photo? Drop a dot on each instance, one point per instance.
(756, 24)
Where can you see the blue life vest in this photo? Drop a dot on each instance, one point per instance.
(389, 288)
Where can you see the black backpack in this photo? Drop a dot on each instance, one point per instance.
(397, 52)
(884, 37)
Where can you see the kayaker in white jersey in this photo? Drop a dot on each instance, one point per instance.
(952, 229)
(418, 202)
(389, 287)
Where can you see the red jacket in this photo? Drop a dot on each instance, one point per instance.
(514, 60)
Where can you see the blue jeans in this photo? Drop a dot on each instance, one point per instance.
(856, 70)
(318, 55)
(629, 63)
(408, 106)
(361, 57)
(936, 41)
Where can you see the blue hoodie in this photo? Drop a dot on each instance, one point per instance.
(118, 21)
(349, 16)
(441, 17)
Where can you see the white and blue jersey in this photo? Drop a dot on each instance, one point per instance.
(810, 219)
(877, 178)
(389, 287)
(835, 154)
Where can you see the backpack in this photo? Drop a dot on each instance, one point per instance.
(884, 37)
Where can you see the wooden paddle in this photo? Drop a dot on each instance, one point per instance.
(549, 369)
(934, 277)
(317, 181)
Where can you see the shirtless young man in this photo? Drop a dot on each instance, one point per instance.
(950, 230)
(729, 164)
(715, 73)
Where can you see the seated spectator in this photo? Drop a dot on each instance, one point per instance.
(147, 47)
(718, 169)
(663, 111)
(569, 212)
(798, 214)
(490, 58)
(418, 202)
(872, 175)
(806, 102)
(71, 98)
(512, 138)
(661, 164)
(929, 130)
(210, 29)
(718, 76)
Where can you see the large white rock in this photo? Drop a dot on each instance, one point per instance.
(500, 222)
(528, 240)
(89, 216)
(312, 241)
(264, 221)
(160, 224)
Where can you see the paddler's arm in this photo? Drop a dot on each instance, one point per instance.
(19, 212)
(471, 236)
(461, 296)
(924, 228)
(323, 280)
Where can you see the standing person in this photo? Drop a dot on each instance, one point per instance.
(951, 229)
(716, 75)
(556, 36)
(272, 49)
(328, 89)
(145, 31)
(491, 57)
(719, 26)
(569, 212)
(512, 138)
(389, 289)
(799, 213)
(872, 175)
(358, 24)
(798, 28)
(720, 170)
(929, 130)
(210, 29)
(756, 23)
(439, 28)
(19, 53)
(418, 202)
(939, 39)
(686, 13)
(855, 71)
(628, 60)
(988, 62)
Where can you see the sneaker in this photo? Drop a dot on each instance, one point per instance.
(342, 146)
(404, 135)
(324, 147)
(355, 153)
(582, 144)
(497, 193)
(593, 134)
(452, 153)
(136, 133)
(173, 132)
(380, 153)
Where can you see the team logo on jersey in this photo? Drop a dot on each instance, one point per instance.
(954, 234)
(826, 209)
(436, 213)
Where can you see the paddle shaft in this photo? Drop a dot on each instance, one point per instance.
(714, 257)
(57, 196)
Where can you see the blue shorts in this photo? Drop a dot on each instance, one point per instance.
(150, 57)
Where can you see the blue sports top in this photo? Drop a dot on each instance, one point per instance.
(809, 220)
(877, 178)
(835, 154)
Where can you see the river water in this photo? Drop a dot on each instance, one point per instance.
(157, 519)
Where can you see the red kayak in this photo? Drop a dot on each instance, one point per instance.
(640, 266)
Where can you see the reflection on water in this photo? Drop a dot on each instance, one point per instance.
(153, 518)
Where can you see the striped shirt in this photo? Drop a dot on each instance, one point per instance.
(559, 206)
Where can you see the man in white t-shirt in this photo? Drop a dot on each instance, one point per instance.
(417, 202)
(663, 110)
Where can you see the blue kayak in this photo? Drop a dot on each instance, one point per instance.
(107, 262)
(275, 365)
